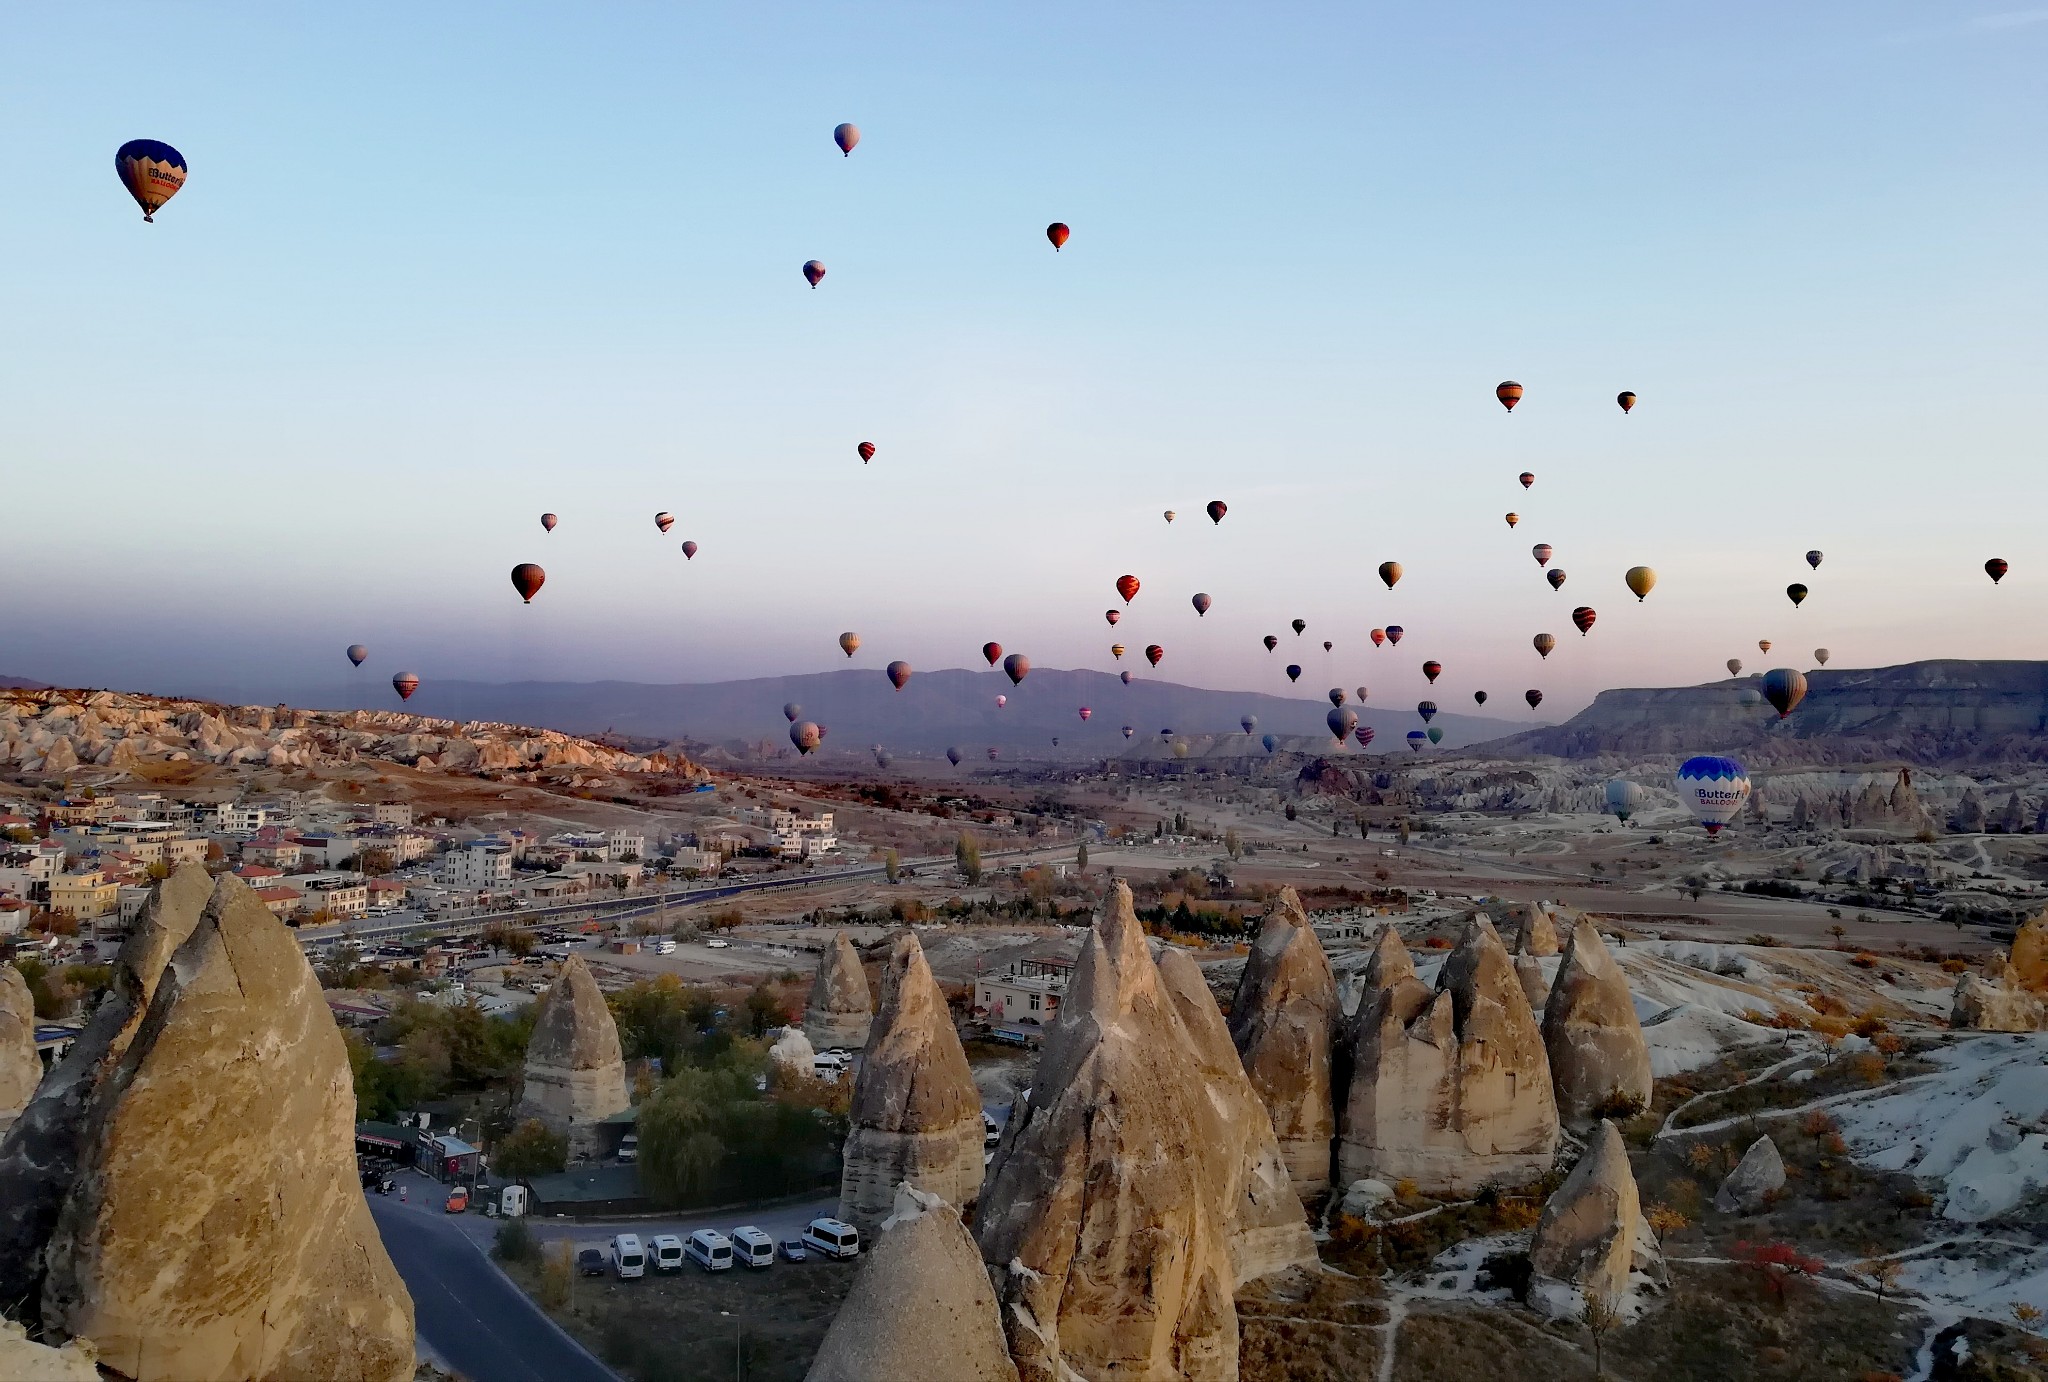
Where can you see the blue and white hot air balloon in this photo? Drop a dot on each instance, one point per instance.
(1624, 798)
(1270, 741)
(1416, 739)
(1715, 788)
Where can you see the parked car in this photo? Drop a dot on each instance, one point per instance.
(752, 1247)
(629, 1147)
(667, 1251)
(717, 945)
(628, 1260)
(831, 1238)
(458, 1200)
(590, 1262)
(991, 1132)
(792, 1249)
(709, 1249)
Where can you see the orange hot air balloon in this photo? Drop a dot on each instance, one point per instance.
(664, 520)
(1127, 586)
(867, 451)
(849, 643)
(1584, 616)
(1116, 650)
(1541, 551)
(548, 521)
(1641, 580)
(898, 673)
(1996, 569)
(1527, 477)
(405, 683)
(1390, 572)
(1626, 399)
(1217, 508)
(527, 579)
(1509, 393)
(1764, 644)
(1513, 519)
(1432, 670)
(1153, 653)
(1057, 232)
(1379, 637)
(1543, 643)
(993, 652)
(1114, 616)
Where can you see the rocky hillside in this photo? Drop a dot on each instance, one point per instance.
(1921, 712)
(53, 733)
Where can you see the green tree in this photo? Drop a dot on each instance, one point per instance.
(1081, 857)
(892, 865)
(530, 1150)
(967, 856)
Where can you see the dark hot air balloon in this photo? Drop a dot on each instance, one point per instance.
(953, 757)
(1763, 645)
(548, 521)
(1129, 730)
(1379, 637)
(1250, 723)
(1555, 575)
(881, 756)
(1820, 655)
(846, 136)
(1784, 688)
(356, 653)
(1432, 670)
(1298, 625)
(867, 451)
(1217, 508)
(1509, 393)
(1626, 399)
(1293, 671)
(1057, 232)
(1336, 695)
(849, 643)
(1394, 632)
(1796, 593)
(1527, 477)
(1996, 569)
(1269, 742)
(527, 579)
(1543, 643)
(1426, 709)
(791, 710)
(1341, 720)
(813, 271)
(1361, 695)
(1813, 559)
(1201, 603)
(1016, 667)
(1734, 666)
(1327, 645)
(1584, 616)
(1479, 697)
(805, 735)
(1541, 551)
(993, 652)
(1390, 572)
(690, 550)
(1270, 642)
(405, 683)
(1534, 698)
(1170, 515)
(1114, 616)
(993, 753)
(1153, 653)
(898, 673)
(1127, 587)
(664, 520)
(152, 172)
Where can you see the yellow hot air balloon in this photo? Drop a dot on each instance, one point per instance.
(1641, 581)
(1513, 519)
(1116, 650)
(1544, 643)
(849, 643)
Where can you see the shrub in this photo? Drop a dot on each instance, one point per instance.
(1868, 1023)
(1665, 1220)
(515, 1242)
(530, 1150)
(1818, 1124)
(1776, 1266)
(1867, 1066)
(558, 1275)
(1863, 959)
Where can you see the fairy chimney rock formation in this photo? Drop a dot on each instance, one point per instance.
(1599, 1063)
(1106, 1240)
(216, 1227)
(1759, 1175)
(920, 1309)
(916, 1115)
(21, 1069)
(1269, 1231)
(1529, 973)
(1993, 1001)
(1449, 1089)
(39, 1153)
(841, 1009)
(575, 1077)
(2030, 955)
(1535, 930)
(1591, 1233)
(1282, 1022)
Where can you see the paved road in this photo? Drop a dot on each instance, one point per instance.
(467, 1313)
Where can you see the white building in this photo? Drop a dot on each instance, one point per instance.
(803, 844)
(340, 895)
(625, 844)
(479, 866)
(1026, 995)
(234, 818)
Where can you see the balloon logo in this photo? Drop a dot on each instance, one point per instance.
(1432, 670)
(1584, 616)
(899, 674)
(846, 136)
(405, 683)
(1715, 788)
(849, 643)
(1113, 616)
(1996, 569)
(1784, 688)
(1394, 632)
(1544, 643)
(1293, 672)
(1541, 551)
(1379, 637)
(867, 451)
(1127, 587)
(664, 520)
(1201, 603)
(805, 736)
(1796, 593)
(1813, 559)
(1641, 581)
(1534, 698)
(1154, 653)
(1217, 508)
(1509, 393)
(1057, 232)
(1390, 572)
(356, 653)
(1527, 477)
(1626, 400)
(690, 550)
(152, 172)
(527, 579)
(1555, 576)
(1016, 666)
(548, 522)
(813, 271)
(993, 652)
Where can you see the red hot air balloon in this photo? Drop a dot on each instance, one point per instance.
(1217, 508)
(1270, 642)
(527, 579)
(867, 451)
(1527, 477)
(846, 136)
(899, 674)
(1626, 400)
(1432, 670)
(1017, 667)
(664, 520)
(1996, 569)
(1085, 713)
(813, 271)
(1057, 232)
(993, 652)
(1555, 575)
(1127, 587)
(1541, 551)
(405, 683)
(1379, 637)
(690, 551)
(1509, 393)
(1201, 603)
(1114, 616)
(1584, 616)
(1534, 698)
(356, 653)
(548, 521)
(1153, 653)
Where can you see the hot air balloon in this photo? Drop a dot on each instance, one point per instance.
(1153, 653)
(1641, 580)
(548, 522)
(1116, 650)
(1390, 572)
(1394, 632)
(1509, 393)
(1361, 695)
(1057, 232)
(881, 756)
(1217, 508)
(813, 271)
(1379, 637)
(1796, 593)
(1114, 616)
(1555, 575)
(690, 550)
(527, 579)
(1426, 709)
(1813, 559)
(1126, 678)
(1763, 644)
(152, 172)
(1527, 477)
(1431, 671)
(1201, 603)
(1298, 625)
(1327, 645)
(1513, 519)
(805, 736)
(1127, 586)
(1271, 642)
(1479, 697)
(1436, 734)
(1341, 720)
(1085, 713)
(1129, 730)
(1417, 738)
(846, 136)
(992, 753)
(898, 673)
(1336, 695)
(1293, 671)
(1250, 723)
(867, 451)
(1626, 399)
(664, 520)
(992, 651)
(1624, 798)
(405, 683)
(1996, 569)
(1734, 666)
(356, 653)
(1541, 551)
(1820, 655)
(1543, 643)
(849, 643)
(791, 710)
(1584, 616)
(953, 757)
(1170, 515)
(1715, 788)
(1534, 698)
(1270, 742)
(1363, 734)
(1784, 688)
(1002, 701)
(1016, 666)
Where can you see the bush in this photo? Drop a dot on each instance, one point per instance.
(558, 1275)
(530, 1150)
(515, 1242)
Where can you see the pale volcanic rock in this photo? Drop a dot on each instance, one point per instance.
(1270, 1230)
(1107, 1241)
(916, 1115)
(40, 1151)
(2030, 955)
(24, 1361)
(1535, 930)
(1529, 973)
(1588, 1241)
(575, 1077)
(21, 1069)
(216, 1227)
(1993, 1001)
(920, 1309)
(1283, 1021)
(841, 1009)
(792, 1055)
(1450, 1089)
(1598, 1059)
(1759, 1175)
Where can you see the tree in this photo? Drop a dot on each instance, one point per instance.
(1364, 830)
(1777, 1265)
(1337, 828)
(1232, 845)
(892, 865)
(1838, 931)
(1081, 857)
(1601, 1317)
(967, 856)
(1883, 1273)
(530, 1150)
(376, 862)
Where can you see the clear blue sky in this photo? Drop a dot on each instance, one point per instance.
(440, 268)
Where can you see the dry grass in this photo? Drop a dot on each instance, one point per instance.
(1309, 1327)
(1444, 1343)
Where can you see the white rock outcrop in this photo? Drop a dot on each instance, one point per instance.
(1758, 1176)
(575, 1075)
(1592, 1237)
(841, 1007)
(1283, 1021)
(791, 1055)
(1599, 1063)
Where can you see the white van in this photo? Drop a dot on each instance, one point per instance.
(627, 1258)
(753, 1247)
(709, 1249)
(667, 1251)
(831, 1238)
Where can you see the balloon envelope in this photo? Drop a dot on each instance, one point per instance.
(1114, 616)
(1784, 688)
(1584, 616)
(1116, 650)
(1479, 697)
(1336, 695)
(1820, 655)
(1271, 642)
(1432, 670)
(1426, 709)
(356, 653)
(664, 521)
(804, 735)
(953, 757)
(899, 673)
(527, 579)
(1390, 572)
(1555, 575)
(548, 521)
(1543, 643)
(1341, 720)
(1217, 508)
(1513, 519)
(1127, 678)
(405, 683)
(791, 710)
(1436, 734)
(1641, 580)
(1129, 730)
(1714, 787)
(1250, 723)
(1086, 712)
(1417, 738)
(1269, 741)
(1127, 586)
(1153, 653)
(1016, 667)
(849, 643)
(846, 136)
(1996, 569)
(867, 451)
(1734, 666)
(1541, 551)
(1763, 645)
(813, 271)
(1534, 698)
(152, 171)
(1298, 625)
(1624, 798)
(1527, 477)
(1363, 734)
(1509, 393)
(1293, 671)
(993, 652)
(690, 551)
(1057, 232)
(1379, 636)
(1169, 515)
(1796, 593)
(1813, 559)
(1626, 399)
(1002, 701)
(1201, 603)
(1361, 695)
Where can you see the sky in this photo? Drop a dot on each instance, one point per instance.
(438, 269)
